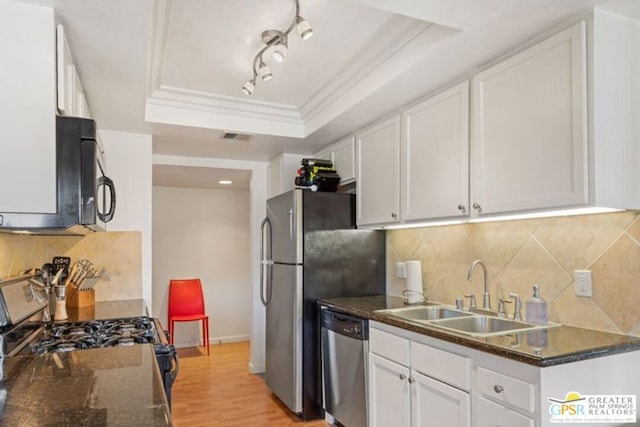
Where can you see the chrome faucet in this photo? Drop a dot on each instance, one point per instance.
(486, 301)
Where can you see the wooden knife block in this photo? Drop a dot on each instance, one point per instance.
(80, 298)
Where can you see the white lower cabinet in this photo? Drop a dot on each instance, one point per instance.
(491, 414)
(434, 403)
(401, 395)
(507, 389)
(389, 391)
(420, 381)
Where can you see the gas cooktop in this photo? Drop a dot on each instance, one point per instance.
(95, 334)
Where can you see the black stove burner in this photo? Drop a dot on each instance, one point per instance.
(127, 327)
(64, 346)
(96, 334)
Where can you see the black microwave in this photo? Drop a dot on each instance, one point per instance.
(85, 195)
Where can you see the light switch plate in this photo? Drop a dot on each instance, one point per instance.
(401, 270)
(583, 283)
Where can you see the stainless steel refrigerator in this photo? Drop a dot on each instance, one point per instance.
(310, 250)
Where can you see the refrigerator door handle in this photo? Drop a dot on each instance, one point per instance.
(265, 262)
(290, 213)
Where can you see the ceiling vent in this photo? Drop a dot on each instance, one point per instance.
(236, 136)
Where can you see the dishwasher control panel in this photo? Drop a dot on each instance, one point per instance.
(345, 324)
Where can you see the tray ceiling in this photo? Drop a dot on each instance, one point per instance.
(204, 51)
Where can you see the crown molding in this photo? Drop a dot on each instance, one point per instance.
(170, 105)
(160, 159)
(159, 19)
(404, 44)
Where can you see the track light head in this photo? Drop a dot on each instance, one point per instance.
(249, 86)
(265, 71)
(304, 29)
(280, 50)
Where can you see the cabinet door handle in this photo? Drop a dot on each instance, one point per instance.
(403, 377)
(498, 388)
(477, 207)
(412, 380)
(462, 208)
(394, 215)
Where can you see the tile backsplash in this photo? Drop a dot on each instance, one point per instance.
(521, 253)
(119, 253)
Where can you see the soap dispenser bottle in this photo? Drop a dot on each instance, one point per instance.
(536, 309)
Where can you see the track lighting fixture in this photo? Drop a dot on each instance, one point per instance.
(277, 42)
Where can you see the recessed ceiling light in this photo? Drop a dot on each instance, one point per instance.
(225, 182)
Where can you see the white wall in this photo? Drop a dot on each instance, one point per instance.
(129, 164)
(205, 234)
(258, 206)
(258, 212)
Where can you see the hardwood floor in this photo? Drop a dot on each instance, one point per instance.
(219, 391)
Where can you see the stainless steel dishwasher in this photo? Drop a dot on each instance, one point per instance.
(345, 348)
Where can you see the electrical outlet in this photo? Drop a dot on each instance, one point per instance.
(583, 283)
(401, 270)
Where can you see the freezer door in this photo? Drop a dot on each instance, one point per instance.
(285, 215)
(284, 336)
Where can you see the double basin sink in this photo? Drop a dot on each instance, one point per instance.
(462, 322)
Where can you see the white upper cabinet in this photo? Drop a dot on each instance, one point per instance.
(378, 171)
(435, 156)
(324, 154)
(27, 110)
(616, 110)
(281, 174)
(529, 133)
(71, 98)
(343, 155)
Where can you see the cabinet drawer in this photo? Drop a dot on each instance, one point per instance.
(390, 346)
(448, 367)
(506, 389)
(489, 414)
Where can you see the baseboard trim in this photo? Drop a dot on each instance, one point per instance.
(232, 338)
(213, 341)
(256, 369)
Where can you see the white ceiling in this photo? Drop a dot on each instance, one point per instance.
(174, 68)
(198, 54)
(200, 177)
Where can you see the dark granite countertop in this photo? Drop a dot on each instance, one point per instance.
(115, 386)
(541, 348)
(118, 386)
